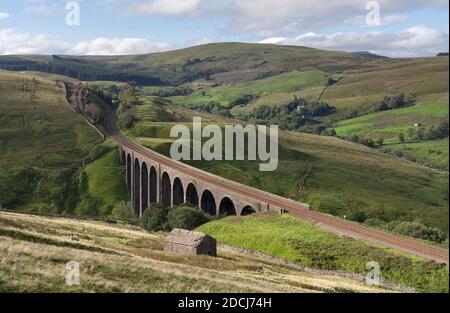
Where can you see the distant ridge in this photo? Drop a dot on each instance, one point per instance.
(218, 62)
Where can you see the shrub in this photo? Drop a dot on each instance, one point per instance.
(123, 211)
(368, 142)
(155, 219)
(418, 230)
(410, 229)
(186, 218)
(359, 217)
(374, 222)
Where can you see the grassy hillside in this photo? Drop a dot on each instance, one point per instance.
(43, 142)
(351, 93)
(292, 82)
(363, 90)
(44, 147)
(116, 258)
(292, 239)
(101, 185)
(247, 76)
(333, 175)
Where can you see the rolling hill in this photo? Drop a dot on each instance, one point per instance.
(220, 62)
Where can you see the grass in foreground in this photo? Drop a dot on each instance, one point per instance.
(299, 241)
(34, 252)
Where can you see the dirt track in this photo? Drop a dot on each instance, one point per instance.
(328, 222)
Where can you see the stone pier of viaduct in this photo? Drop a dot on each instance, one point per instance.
(149, 181)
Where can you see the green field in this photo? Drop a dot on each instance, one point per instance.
(299, 241)
(389, 124)
(284, 83)
(432, 153)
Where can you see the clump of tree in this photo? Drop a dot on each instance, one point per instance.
(365, 141)
(388, 103)
(319, 129)
(428, 133)
(158, 218)
(289, 116)
(392, 102)
(129, 97)
(243, 100)
(170, 91)
(212, 108)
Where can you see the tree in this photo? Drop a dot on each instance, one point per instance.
(368, 142)
(412, 134)
(156, 219)
(186, 218)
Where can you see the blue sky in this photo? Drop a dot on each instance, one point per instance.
(392, 28)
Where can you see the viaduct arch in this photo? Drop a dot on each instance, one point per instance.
(150, 181)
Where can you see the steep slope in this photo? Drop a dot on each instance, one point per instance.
(44, 145)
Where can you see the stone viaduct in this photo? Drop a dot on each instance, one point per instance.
(149, 181)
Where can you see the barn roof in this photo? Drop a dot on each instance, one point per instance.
(185, 237)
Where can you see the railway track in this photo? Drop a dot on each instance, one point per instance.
(292, 207)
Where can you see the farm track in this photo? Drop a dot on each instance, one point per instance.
(294, 208)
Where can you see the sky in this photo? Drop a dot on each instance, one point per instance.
(401, 28)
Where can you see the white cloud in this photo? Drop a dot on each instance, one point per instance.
(13, 41)
(117, 46)
(414, 41)
(165, 7)
(280, 17)
(273, 40)
(4, 15)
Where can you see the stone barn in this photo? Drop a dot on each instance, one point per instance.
(190, 242)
